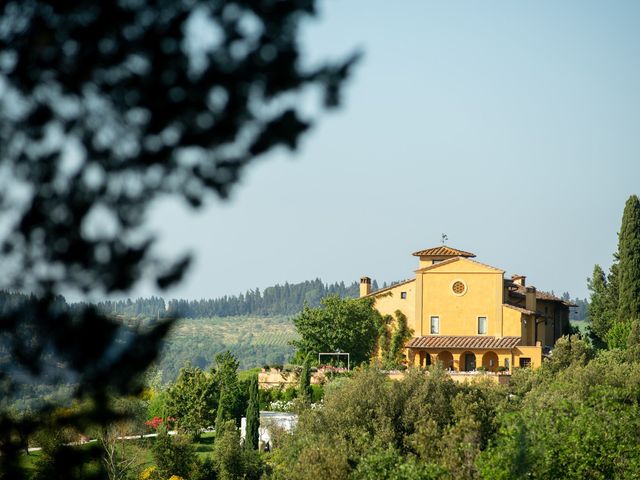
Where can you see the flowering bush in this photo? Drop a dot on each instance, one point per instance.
(331, 369)
(156, 422)
(147, 473)
(281, 406)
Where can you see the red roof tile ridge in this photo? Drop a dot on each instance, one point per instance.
(519, 309)
(540, 294)
(443, 250)
(382, 290)
(464, 342)
(456, 259)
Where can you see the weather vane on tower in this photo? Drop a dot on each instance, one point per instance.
(444, 238)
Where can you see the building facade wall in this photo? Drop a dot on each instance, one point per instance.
(534, 353)
(390, 300)
(458, 313)
(512, 325)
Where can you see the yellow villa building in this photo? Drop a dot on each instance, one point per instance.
(466, 315)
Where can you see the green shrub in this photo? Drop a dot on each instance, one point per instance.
(157, 405)
(204, 470)
(174, 455)
(317, 393)
(231, 460)
(289, 393)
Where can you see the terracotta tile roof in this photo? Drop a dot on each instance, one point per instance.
(443, 251)
(461, 342)
(519, 309)
(540, 295)
(456, 259)
(384, 290)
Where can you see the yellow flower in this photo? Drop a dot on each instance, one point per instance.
(176, 477)
(146, 474)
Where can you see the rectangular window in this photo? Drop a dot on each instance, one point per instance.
(482, 325)
(525, 362)
(435, 325)
(403, 295)
(433, 262)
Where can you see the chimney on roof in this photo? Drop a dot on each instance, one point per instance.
(365, 286)
(519, 280)
(530, 298)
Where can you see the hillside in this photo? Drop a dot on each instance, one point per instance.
(256, 326)
(287, 299)
(254, 340)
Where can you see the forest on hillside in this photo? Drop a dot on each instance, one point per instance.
(287, 299)
(255, 340)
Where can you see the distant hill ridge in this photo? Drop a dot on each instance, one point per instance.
(287, 299)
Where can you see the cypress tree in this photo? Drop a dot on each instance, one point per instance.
(253, 416)
(633, 341)
(629, 265)
(225, 410)
(601, 315)
(305, 380)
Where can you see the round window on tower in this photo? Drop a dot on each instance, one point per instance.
(458, 287)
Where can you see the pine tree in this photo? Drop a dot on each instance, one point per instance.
(305, 380)
(253, 416)
(629, 265)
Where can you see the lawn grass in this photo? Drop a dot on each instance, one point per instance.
(247, 374)
(140, 447)
(581, 324)
(204, 446)
(28, 462)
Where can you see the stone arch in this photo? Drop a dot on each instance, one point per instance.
(446, 359)
(490, 361)
(424, 359)
(467, 362)
(427, 359)
(412, 356)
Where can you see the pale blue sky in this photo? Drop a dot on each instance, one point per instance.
(513, 127)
